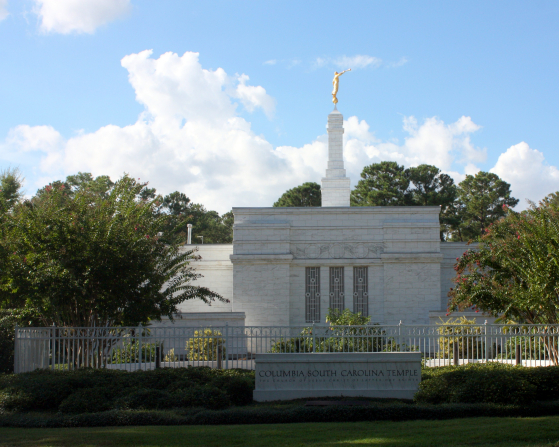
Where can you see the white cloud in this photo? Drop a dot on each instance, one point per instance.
(253, 97)
(271, 62)
(354, 62)
(401, 62)
(4, 9)
(527, 172)
(79, 16)
(191, 138)
(357, 61)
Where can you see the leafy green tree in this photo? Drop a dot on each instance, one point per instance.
(433, 188)
(515, 270)
(180, 211)
(307, 194)
(11, 183)
(482, 200)
(80, 261)
(85, 181)
(382, 184)
(552, 200)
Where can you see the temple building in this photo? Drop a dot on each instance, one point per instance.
(288, 266)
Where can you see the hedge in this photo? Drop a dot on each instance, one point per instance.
(89, 390)
(274, 415)
(100, 391)
(488, 383)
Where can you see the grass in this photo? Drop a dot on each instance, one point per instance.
(510, 432)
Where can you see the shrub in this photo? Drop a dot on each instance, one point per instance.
(205, 345)
(238, 388)
(489, 383)
(275, 415)
(130, 352)
(201, 396)
(89, 390)
(87, 400)
(145, 399)
(15, 400)
(465, 334)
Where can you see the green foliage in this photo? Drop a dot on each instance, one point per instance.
(385, 183)
(348, 332)
(84, 181)
(388, 183)
(11, 182)
(552, 201)
(130, 351)
(209, 225)
(82, 260)
(488, 383)
(87, 400)
(482, 200)
(88, 390)
(307, 194)
(346, 318)
(205, 345)
(461, 332)
(515, 271)
(293, 414)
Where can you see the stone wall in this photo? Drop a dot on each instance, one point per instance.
(399, 245)
(263, 272)
(217, 271)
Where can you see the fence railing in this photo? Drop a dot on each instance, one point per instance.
(132, 348)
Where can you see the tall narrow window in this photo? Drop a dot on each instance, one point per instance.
(337, 288)
(360, 290)
(312, 294)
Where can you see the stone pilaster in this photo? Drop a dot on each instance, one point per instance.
(335, 186)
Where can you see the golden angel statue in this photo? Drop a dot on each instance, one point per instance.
(336, 82)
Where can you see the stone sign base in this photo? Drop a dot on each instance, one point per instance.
(393, 375)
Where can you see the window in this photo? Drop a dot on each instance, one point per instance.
(337, 288)
(360, 290)
(312, 294)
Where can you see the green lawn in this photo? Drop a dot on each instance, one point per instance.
(458, 432)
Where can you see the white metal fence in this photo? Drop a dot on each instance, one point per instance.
(132, 348)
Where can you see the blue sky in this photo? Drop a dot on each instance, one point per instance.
(465, 86)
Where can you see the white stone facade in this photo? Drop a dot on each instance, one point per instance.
(287, 266)
(335, 186)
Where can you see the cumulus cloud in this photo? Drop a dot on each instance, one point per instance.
(357, 61)
(3, 9)
(527, 172)
(190, 137)
(253, 97)
(432, 142)
(78, 16)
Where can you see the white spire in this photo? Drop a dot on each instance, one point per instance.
(335, 186)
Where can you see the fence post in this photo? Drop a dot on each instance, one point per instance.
(140, 346)
(518, 354)
(226, 345)
(400, 337)
(51, 345)
(158, 351)
(16, 350)
(485, 341)
(313, 340)
(455, 353)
